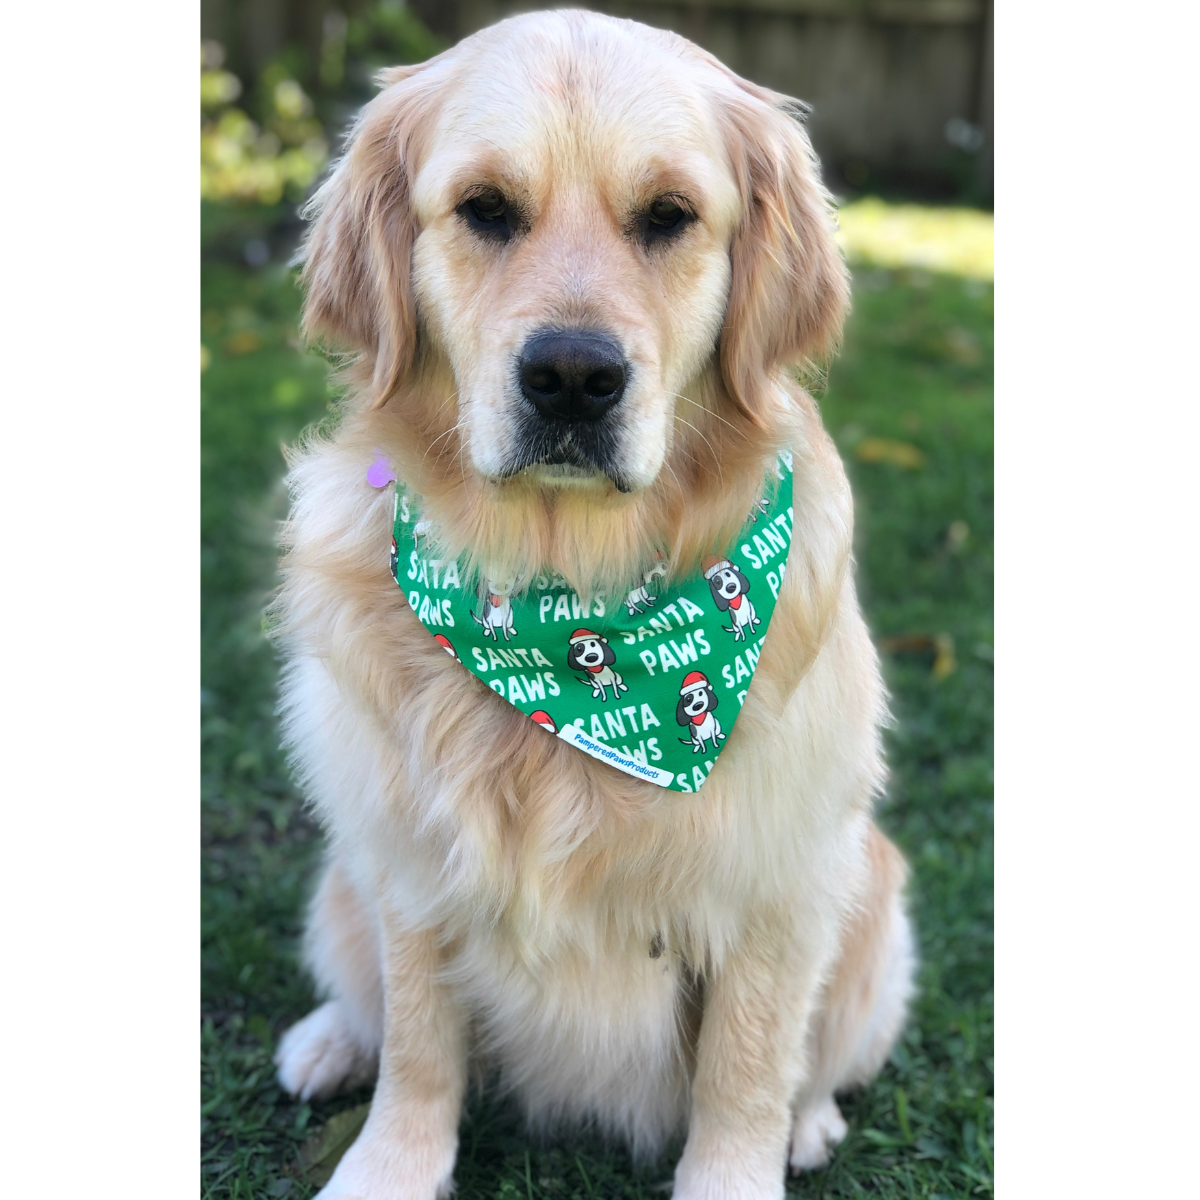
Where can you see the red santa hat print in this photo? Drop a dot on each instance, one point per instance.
(585, 635)
(445, 644)
(693, 680)
(544, 719)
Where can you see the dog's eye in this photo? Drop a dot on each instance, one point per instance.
(488, 206)
(665, 214)
(488, 213)
(664, 218)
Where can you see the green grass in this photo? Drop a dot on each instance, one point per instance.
(916, 369)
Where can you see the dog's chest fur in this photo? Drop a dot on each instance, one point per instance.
(552, 873)
(553, 876)
(404, 750)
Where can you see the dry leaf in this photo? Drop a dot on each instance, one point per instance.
(963, 347)
(945, 662)
(942, 645)
(242, 343)
(323, 1150)
(957, 535)
(886, 450)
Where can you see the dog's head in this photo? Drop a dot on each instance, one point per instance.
(726, 585)
(498, 589)
(571, 250)
(695, 698)
(587, 650)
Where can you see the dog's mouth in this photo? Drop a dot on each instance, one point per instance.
(562, 452)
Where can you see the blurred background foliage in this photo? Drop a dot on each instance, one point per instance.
(909, 403)
(901, 90)
(267, 141)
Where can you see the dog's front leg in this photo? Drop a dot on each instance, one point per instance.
(749, 1060)
(407, 1148)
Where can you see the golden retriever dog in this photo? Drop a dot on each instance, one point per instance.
(494, 900)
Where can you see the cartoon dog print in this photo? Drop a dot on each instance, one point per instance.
(394, 561)
(591, 653)
(697, 702)
(445, 643)
(640, 596)
(497, 610)
(761, 506)
(729, 587)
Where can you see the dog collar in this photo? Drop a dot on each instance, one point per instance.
(654, 665)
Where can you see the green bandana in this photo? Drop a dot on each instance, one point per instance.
(651, 685)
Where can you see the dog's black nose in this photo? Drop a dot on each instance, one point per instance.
(572, 374)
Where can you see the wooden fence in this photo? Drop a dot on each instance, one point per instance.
(901, 89)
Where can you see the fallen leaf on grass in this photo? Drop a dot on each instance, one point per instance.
(942, 645)
(944, 663)
(957, 535)
(323, 1150)
(887, 450)
(962, 347)
(244, 342)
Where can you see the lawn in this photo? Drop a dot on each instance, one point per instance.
(910, 405)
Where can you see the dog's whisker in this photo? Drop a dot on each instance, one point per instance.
(446, 401)
(460, 424)
(453, 429)
(678, 481)
(711, 447)
(462, 459)
(711, 412)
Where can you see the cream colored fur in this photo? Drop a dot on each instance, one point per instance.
(492, 894)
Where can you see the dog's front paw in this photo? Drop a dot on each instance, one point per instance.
(733, 1187)
(391, 1161)
(729, 1176)
(320, 1055)
(818, 1128)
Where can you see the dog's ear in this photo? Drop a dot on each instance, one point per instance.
(357, 257)
(713, 698)
(718, 599)
(681, 717)
(610, 655)
(789, 291)
(743, 582)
